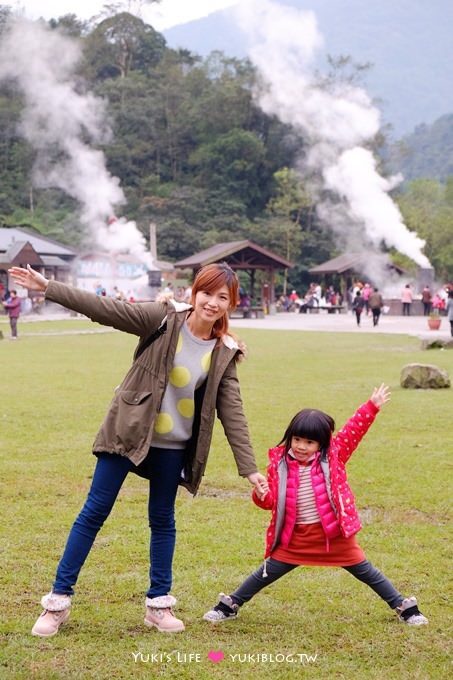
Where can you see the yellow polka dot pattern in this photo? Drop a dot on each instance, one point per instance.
(191, 364)
(186, 407)
(206, 362)
(164, 423)
(180, 376)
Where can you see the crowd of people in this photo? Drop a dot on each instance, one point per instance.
(314, 297)
(364, 299)
(168, 292)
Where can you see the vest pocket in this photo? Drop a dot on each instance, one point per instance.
(133, 398)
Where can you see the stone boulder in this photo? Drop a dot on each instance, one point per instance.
(437, 343)
(424, 376)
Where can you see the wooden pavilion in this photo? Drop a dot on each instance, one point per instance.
(344, 267)
(243, 256)
(348, 267)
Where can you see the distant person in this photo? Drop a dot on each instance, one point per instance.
(12, 306)
(317, 293)
(426, 300)
(159, 424)
(407, 299)
(117, 293)
(357, 306)
(449, 309)
(293, 298)
(366, 292)
(314, 518)
(331, 297)
(437, 303)
(376, 304)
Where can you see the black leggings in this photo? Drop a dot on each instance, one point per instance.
(363, 571)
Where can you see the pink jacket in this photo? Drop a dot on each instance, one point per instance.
(334, 498)
(406, 295)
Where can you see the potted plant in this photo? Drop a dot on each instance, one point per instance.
(434, 320)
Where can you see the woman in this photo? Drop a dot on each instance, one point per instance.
(12, 306)
(407, 299)
(159, 424)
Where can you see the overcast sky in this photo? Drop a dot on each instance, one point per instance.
(161, 15)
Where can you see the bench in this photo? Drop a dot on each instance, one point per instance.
(331, 309)
(247, 313)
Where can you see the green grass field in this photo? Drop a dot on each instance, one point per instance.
(318, 622)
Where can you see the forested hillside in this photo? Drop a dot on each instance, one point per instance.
(190, 148)
(427, 152)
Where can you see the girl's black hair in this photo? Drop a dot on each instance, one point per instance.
(310, 424)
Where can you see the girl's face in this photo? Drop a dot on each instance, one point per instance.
(303, 449)
(210, 306)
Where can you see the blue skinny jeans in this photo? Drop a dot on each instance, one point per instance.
(164, 471)
(363, 571)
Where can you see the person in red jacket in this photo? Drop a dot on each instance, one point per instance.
(314, 518)
(12, 306)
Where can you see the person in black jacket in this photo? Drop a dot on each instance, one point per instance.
(357, 305)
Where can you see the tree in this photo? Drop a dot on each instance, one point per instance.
(286, 207)
(230, 166)
(120, 44)
(427, 208)
(70, 25)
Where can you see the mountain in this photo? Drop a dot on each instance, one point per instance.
(408, 42)
(427, 152)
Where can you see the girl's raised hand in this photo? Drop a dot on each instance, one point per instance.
(381, 395)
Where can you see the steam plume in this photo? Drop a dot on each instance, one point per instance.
(60, 123)
(337, 121)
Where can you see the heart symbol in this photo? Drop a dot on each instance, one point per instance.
(215, 657)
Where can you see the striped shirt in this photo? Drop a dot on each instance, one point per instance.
(306, 511)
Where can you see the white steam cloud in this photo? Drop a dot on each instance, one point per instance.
(60, 123)
(337, 121)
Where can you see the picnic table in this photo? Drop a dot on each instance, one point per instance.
(248, 312)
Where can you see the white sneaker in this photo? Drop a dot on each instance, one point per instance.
(409, 613)
(225, 609)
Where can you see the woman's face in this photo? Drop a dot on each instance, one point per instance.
(210, 306)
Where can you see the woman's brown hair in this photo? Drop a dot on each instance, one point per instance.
(210, 278)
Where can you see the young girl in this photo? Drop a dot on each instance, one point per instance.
(314, 518)
(159, 424)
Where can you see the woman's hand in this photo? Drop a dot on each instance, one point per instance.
(381, 395)
(244, 349)
(29, 278)
(260, 483)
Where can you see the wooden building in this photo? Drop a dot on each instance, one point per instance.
(248, 258)
(20, 246)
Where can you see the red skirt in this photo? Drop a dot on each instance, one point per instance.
(309, 545)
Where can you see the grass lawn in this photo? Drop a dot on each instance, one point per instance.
(316, 622)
